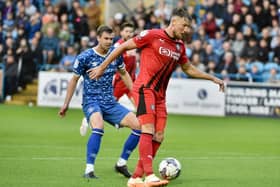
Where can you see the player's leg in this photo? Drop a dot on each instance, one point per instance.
(147, 115)
(130, 144)
(84, 127)
(118, 114)
(94, 141)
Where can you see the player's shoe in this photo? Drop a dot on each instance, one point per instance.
(123, 170)
(90, 175)
(152, 180)
(135, 182)
(84, 127)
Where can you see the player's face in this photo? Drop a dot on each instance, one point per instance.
(182, 28)
(127, 33)
(106, 40)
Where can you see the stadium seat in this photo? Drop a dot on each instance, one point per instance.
(258, 64)
(269, 66)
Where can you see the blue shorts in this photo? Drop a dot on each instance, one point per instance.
(113, 113)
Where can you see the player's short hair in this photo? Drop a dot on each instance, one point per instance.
(103, 28)
(126, 24)
(181, 12)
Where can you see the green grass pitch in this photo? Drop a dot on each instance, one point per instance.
(38, 149)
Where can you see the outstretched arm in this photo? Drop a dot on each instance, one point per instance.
(95, 73)
(192, 71)
(70, 91)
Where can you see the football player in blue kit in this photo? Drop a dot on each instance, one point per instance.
(99, 103)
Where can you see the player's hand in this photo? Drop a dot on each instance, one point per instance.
(95, 73)
(63, 110)
(220, 83)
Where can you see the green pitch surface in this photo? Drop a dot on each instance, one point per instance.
(38, 149)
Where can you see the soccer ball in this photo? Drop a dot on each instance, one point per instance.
(169, 168)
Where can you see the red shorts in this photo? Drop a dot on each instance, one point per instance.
(150, 109)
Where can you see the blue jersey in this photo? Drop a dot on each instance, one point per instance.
(101, 90)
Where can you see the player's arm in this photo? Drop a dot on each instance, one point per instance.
(95, 73)
(126, 78)
(70, 91)
(192, 71)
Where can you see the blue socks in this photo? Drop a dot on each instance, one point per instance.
(93, 145)
(130, 144)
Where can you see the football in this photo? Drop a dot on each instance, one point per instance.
(169, 168)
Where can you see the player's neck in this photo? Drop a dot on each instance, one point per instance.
(100, 50)
(169, 33)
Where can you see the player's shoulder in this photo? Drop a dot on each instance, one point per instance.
(85, 54)
(151, 32)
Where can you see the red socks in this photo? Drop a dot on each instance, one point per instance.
(147, 151)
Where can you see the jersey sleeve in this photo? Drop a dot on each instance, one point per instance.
(143, 38)
(183, 58)
(79, 67)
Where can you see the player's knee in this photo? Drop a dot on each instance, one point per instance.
(159, 136)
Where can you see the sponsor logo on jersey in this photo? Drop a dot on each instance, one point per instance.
(94, 63)
(167, 52)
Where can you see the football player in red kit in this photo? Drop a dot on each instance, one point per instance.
(129, 58)
(161, 51)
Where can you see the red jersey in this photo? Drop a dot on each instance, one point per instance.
(130, 66)
(160, 55)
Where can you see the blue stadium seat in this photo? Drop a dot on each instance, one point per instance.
(258, 64)
(268, 66)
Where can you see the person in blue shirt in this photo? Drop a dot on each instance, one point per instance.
(98, 101)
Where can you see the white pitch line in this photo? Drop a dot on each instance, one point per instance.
(134, 158)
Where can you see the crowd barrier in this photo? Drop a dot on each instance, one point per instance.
(184, 96)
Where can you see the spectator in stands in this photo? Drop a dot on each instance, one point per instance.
(238, 44)
(200, 34)
(211, 66)
(10, 78)
(93, 12)
(249, 22)
(265, 35)
(80, 23)
(49, 45)
(84, 43)
(242, 75)
(217, 43)
(37, 54)
(209, 55)
(27, 65)
(9, 23)
(210, 25)
(226, 48)
(67, 61)
(227, 66)
(30, 9)
(195, 59)
(229, 14)
(162, 11)
(276, 51)
(251, 50)
(152, 23)
(256, 73)
(34, 25)
(258, 16)
(231, 34)
(263, 51)
(272, 76)
(92, 38)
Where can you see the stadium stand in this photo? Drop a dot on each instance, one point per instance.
(50, 26)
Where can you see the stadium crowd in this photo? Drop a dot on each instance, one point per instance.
(234, 39)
